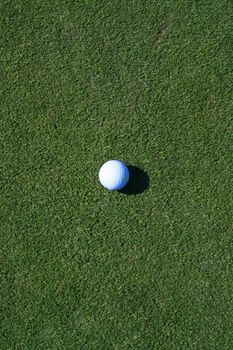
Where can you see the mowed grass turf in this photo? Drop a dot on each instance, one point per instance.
(149, 83)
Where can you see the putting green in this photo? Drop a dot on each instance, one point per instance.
(149, 83)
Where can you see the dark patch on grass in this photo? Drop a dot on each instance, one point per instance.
(163, 32)
(138, 181)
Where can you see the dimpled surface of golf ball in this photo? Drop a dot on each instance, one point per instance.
(114, 175)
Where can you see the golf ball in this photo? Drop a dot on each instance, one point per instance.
(114, 175)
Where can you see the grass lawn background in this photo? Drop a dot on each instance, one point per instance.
(147, 82)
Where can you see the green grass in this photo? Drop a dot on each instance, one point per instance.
(146, 82)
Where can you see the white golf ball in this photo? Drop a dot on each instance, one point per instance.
(114, 175)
